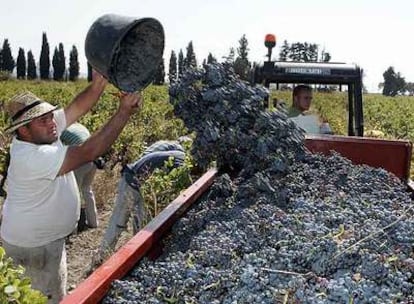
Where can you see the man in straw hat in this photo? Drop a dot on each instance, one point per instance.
(42, 204)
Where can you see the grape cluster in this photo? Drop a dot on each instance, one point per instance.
(290, 227)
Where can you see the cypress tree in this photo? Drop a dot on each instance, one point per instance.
(7, 62)
(44, 63)
(160, 74)
(21, 65)
(73, 64)
(180, 63)
(190, 58)
(58, 63)
(172, 71)
(62, 63)
(241, 64)
(31, 66)
(211, 58)
(55, 64)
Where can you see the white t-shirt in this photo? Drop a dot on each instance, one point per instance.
(310, 123)
(40, 207)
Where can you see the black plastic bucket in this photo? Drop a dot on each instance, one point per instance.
(126, 50)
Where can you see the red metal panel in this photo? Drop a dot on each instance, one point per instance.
(93, 288)
(391, 155)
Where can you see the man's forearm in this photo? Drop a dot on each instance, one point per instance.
(84, 101)
(89, 96)
(99, 142)
(95, 145)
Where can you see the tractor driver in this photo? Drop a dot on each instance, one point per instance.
(302, 96)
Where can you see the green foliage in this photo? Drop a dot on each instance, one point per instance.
(159, 78)
(14, 286)
(243, 49)
(190, 60)
(241, 64)
(5, 75)
(394, 84)
(172, 71)
(180, 63)
(4, 159)
(333, 107)
(393, 116)
(165, 184)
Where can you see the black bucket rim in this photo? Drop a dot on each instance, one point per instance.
(111, 71)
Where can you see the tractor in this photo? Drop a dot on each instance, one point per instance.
(342, 74)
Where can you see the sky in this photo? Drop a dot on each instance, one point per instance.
(374, 34)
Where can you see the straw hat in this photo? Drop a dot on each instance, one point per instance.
(24, 107)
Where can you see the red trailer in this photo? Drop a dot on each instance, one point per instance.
(391, 155)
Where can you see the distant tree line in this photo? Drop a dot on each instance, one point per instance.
(26, 67)
(57, 69)
(179, 64)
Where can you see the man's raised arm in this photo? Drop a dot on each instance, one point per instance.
(100, 141)
(86, 99)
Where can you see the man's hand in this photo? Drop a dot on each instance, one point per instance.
(130, 103)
